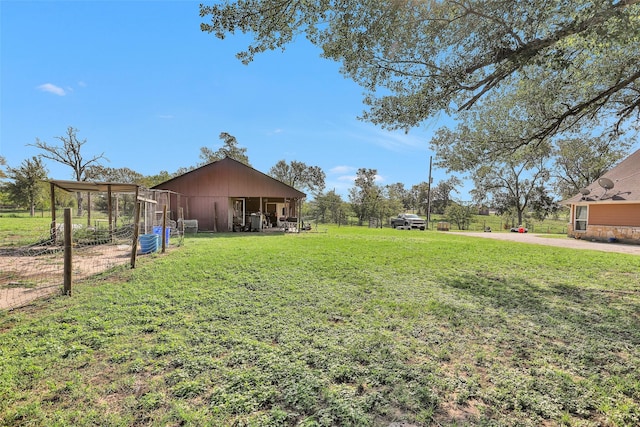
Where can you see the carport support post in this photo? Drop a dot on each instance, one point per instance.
(88, 208)
(110, 209)
(53, 212)
(68, 260)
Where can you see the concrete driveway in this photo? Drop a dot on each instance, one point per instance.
(566, 242)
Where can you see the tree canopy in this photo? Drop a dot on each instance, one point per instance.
(365, 195)
(577, 60)
(26, 186)
(121, 175)
(580, 161)
(229, 149)
(3, 163)
(300, 176)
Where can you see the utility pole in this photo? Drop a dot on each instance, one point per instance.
(429, 194)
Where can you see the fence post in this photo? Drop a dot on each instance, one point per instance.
(164, 228)
(68, 259)
(53, 230)
(136, 227)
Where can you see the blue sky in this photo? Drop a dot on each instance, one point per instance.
(144, 85)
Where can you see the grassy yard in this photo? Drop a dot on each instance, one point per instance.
(353, 327)
(17, 228)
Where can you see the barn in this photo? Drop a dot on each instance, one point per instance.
(228, 195)
(609, 208)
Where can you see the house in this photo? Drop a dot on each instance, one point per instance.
(609, 208)
(228, 195)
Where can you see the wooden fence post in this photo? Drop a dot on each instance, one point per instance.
(53, 230)
(164, 228)
(136, 227)
(68, 259)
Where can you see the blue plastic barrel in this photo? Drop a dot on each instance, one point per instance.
(157, 229)
(149, 243)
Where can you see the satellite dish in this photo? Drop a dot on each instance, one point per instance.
(585, 191)
(605, 183)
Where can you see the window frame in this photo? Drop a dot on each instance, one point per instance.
(580, 220)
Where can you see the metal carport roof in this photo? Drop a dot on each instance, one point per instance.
(114, 187)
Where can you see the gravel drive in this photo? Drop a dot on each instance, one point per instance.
(540, 239)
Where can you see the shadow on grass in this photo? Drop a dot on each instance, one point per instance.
(597, 328)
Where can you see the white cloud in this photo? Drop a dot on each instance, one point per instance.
(340, 170)
(276, 131)
(346, 178)
(51, 88)
(345, 174)
(397, 141)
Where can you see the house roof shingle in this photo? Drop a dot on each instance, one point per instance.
(626, 184)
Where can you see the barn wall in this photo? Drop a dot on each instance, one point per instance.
(214, 184)
(205, 209)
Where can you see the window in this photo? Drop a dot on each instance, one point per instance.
(580, 223)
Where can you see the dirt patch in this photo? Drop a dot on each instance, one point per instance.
(27, 275)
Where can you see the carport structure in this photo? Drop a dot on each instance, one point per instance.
(110, 188)
(92, 187)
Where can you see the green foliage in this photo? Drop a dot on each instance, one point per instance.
(299, 176)
(120, 175)
(459, 215)
(573, 64)
(441, 194)
(330, 208)
(365, 196)
(230, 149)
(3, 163)
(26, 187)
(512, 74)
(580, 161)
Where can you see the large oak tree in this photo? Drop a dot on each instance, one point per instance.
(578, 59)
(299, 176)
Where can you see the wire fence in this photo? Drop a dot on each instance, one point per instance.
(37, 269)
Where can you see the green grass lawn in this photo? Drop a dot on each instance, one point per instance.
(353, 327)
(18, 228)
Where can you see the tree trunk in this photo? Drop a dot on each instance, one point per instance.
(79, 199)
(520, 211)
